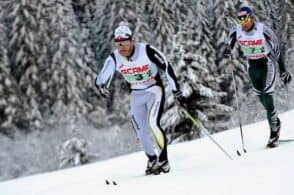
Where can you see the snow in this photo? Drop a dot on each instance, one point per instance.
(197, 167)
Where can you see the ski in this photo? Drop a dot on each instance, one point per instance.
(286, 140)
(281, 141)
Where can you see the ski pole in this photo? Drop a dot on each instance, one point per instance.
(197, 124)
(110, 80)
(239, 114)
(287, 94)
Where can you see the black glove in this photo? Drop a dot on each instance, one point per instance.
(227, 52)
(285, 77)
(180, 99)
(103, 90)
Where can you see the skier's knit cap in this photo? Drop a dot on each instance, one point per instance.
(245, 11)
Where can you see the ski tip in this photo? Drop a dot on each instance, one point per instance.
(109, 183)
(239, 154)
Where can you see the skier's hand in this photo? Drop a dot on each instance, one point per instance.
(227, 52)
(285, 77)
(103, 90)
(181, 100)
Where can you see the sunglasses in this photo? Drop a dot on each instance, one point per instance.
(243, 19)
(121, 43)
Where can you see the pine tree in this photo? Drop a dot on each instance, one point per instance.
(69, 76)
(282, 16)
(162, 24)
(84, 10)
(48, 58)
(100, 31)
(10, 98)
(199, 85)
(23, 55)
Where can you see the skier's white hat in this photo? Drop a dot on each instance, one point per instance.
(122, 33)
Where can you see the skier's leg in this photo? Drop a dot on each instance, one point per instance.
(155, 108)
(272, 115)
(263, 75)
(257, 71)
(268, 102)
(273, 120)
(139, 113)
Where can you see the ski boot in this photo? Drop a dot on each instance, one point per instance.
(274, 136)
(161, 166)
(152, 161)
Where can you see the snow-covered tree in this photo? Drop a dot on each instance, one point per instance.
(84, 10)
(49, 58)
(9, 100)
(282, 16)
(101, 33)
(51, 51)
(11, 108)
(23, 55)
(161, 23)
(70, 77)
(200, 86)
(75, 151)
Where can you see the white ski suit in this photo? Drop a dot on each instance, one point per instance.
(140, 70)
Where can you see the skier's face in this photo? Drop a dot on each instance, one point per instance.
(246, 22)
(247, 26)
(125, 47)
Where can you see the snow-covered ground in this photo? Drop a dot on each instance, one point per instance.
(197, 167)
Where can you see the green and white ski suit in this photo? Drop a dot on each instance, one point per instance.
(261, 47)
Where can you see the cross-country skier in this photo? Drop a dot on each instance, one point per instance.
(261, 47)
(139, 64)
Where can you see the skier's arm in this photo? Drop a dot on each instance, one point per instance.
(232, 38)
(230, 42)
(273, 42)
(104, 77)
(161, 62)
